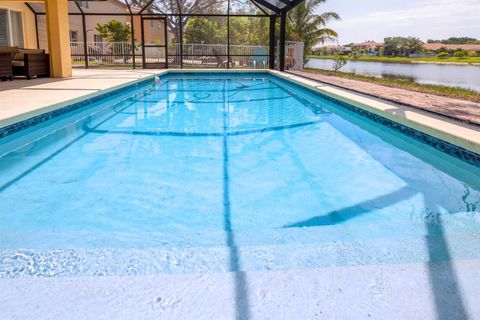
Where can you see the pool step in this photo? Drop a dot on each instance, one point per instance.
(119, 262)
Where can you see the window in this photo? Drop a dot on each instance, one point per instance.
(3, 27)
(155, 24)
(11, 28)
(73, 36)
(83, 4)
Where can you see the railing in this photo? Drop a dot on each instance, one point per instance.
(105, 53)
(194, 54)
(293, 55)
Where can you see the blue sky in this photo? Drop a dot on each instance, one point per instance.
(426, 19)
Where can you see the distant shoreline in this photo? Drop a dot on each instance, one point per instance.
(468, 61)
(446, 91)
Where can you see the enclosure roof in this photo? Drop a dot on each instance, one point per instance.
(175, 7)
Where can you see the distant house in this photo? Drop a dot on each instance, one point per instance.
(154, 29)
(438, 46)
(336, 49)
(370, 47)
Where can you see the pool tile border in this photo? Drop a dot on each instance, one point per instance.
(438, 143)
(30, 122)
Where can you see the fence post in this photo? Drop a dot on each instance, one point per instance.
(85, 49)
(133, 40)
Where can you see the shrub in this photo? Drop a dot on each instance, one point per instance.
(339, 62)
(442, 55)
(472, 53)
(460, 54)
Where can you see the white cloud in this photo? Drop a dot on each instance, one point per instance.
(426, 19)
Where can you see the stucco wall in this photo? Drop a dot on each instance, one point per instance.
(28, 18)
(75, 23)
(152, 33)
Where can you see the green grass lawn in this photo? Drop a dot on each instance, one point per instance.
(405, 59)
(452, 92)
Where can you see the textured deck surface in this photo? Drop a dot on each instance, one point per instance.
(455, 108)
(22, 98)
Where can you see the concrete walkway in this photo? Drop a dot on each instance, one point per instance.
(454, 108)
(21, 99)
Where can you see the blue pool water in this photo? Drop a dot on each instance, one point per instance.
(226, 173)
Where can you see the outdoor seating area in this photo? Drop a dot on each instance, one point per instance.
(24, 63)
(153, 34)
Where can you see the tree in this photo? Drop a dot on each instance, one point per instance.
(249, 31)
(472, 53)
(311, 28)
(460, 54)
(442, 55)
(175, 23)
(243, 31)
(413, 45)
(338, 62)
(114, 31)
(400, 46)
(203, 30)
(456, 40)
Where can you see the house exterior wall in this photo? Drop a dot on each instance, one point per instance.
(152, 33)
(112, 6)
(28, 20)
(154, 30)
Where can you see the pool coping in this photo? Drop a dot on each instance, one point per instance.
(459, 134)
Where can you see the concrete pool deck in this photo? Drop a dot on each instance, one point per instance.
(463, 110)
(21, 99)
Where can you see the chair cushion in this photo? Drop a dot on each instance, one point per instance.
(16, 63)
(11, 50)
(20, 55)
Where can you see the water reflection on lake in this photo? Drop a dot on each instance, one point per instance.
(464, 76)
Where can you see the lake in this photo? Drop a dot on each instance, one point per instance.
(465, 76)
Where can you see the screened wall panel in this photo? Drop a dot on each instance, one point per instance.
(173, 42)
(204, 7)
(193, 33)
(106, 7)
(157, 6)
(249, 42)
(102, 51)
(38, 7)
(205, 42)
(244, 7)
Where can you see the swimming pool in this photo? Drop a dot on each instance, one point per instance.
(227, 172)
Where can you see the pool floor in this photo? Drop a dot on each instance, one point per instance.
(230, 175)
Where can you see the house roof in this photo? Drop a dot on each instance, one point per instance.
(437, 46)
(368, 44)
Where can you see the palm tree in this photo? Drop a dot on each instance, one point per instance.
(307, 26)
